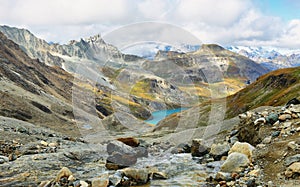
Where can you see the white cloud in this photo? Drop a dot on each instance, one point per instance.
(212, 21)
(153, 9)
(215, 12)
(36, 12)
(291, 36)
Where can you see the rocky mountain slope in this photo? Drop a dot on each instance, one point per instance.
(51, 97)
(92, 49)
(211, 56)
(103, 63)
(32, 91)
(273, 89)
(211, 71)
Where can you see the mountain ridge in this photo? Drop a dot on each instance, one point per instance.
(90, 49)
(270, 57)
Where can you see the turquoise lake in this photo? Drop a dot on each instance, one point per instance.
(161, 114)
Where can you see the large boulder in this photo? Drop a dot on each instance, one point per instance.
(119, 161)
(242, 147)
(119, 147)
(219, 150)
(120, 155)
(236, 162)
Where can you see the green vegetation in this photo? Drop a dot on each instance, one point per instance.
(274, 89)
(142, 89)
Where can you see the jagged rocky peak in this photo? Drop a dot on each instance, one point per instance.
(95, 39)
(92, 49)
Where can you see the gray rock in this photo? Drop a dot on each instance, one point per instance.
(251, 182)
(234, 132)
(3, 159)
(291, 159)
(272, 118)
(233, 139)
(116, 178)
(219, 150)
(119, 147)
(141, 152)
(287, 124)
(119, 161)
(235, 162)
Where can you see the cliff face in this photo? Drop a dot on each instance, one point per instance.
(92, 49)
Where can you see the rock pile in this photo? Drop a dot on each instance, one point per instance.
(270, 129)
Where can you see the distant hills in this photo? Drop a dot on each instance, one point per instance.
(271, 58)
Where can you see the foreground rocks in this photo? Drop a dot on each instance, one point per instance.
(275, 134)
(124, 177)
(271, 158)
(122, 155)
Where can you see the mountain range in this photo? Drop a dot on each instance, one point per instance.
(83, 95)
(271, 58)
(231, 70)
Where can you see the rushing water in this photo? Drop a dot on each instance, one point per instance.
(161, 114)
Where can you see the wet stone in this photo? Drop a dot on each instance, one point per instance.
(198, 149)
(219, 150)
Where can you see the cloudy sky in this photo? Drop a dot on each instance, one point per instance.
(226, 22)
